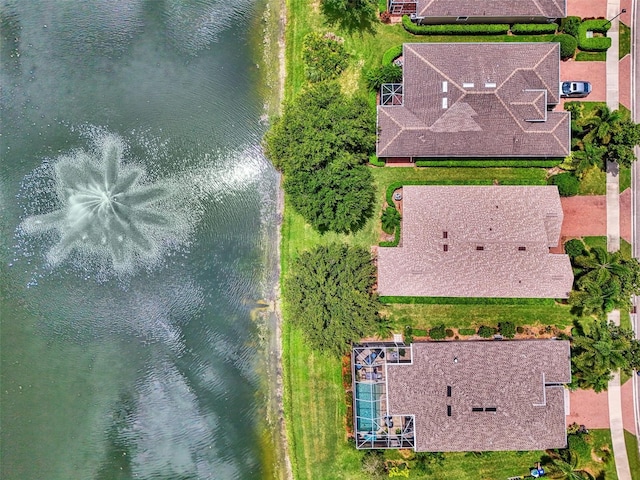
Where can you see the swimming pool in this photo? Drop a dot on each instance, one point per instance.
(368, 406)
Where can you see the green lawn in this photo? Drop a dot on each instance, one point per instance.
(625, 178)
(625, 247)
(624, 47)
(600, 442)
(593, 182)
(631, 442)
(591, 56)
(466, 316)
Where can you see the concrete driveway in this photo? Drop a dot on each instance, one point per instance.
(593, 72)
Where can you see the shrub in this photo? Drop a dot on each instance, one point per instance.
(568, 45)
(473, 163)
(507, 329)
(519, 329)
(467, 331)
(567, 183)
(449, 333)
(574, 248)
(595, 44)
(324, 56)
(438, 332)
(486, 332)
(390, 55)
(455, 29)
(390, 220)
(395, 241)
(408, 334)
(570, 25)
(385, 17)
(533, 28)
(375, 161)
(375, 77)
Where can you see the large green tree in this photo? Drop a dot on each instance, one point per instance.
(321, 143)
(329, 292)
(351, 15)
(337, 198)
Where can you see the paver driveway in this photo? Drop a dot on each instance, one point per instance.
(593, 72)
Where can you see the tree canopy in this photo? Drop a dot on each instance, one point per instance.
(324, 56)
(330, 296)
(604, 281)
(596, 353)
(351, 15)
(321, 143)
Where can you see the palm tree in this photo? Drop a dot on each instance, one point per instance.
(383, 328)
(601, 126)
(587, 156)
(601, 265)
(565, 466)
(594, 355)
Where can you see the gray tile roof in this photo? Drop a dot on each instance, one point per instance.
(496, 102)
(500, 220)
(492, 8)
(515, 377)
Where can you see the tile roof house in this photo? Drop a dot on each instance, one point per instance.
(475, 100)
(477, 241)
(479, 395)
(480, 11)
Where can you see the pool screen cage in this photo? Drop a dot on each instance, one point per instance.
(374, 426)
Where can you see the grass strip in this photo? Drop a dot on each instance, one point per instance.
(465, 300)
(631, 442)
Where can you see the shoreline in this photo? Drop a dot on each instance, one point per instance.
(283, 469)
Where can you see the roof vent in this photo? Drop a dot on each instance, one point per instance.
(448, 410)
(477, 409)
(489, 85)
(445, 102)
(448, 390)
(491, 409)
(445, 86)
(468, 85)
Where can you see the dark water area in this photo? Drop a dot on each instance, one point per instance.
(137, 234)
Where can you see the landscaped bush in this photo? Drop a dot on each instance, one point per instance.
(519, 329)
(507, 329)
(486, 332)
(395, 241)
(595, 44)
(449, 333)
(390, 220)
(455, 29)
(533, 28)
(420, 332)
(567, 183)
(375, 161)
(438, 332)
(324, 56)
(568, 45)
(408, 334)
(385, 17)
(467, 331)
(574, 248)
(570, 25)
(375, 77)
(390, 55)
(457, 163)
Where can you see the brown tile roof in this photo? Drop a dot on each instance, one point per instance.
(496, 102)
(492, 8)
(512, 376)
(500, 220)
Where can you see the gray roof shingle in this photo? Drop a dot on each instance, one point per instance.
(492, 8)
(496, 102)
(499, 219)
(521, 379)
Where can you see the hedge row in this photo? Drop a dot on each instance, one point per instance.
(467, 301)
(390, 55)
(536, 162)
(455, 29)
(373, 160)
(568, 45)
(595, 44)
(533, 28)
(396, 185)
(396, 239)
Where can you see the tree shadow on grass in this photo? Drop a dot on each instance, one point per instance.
(351, 15)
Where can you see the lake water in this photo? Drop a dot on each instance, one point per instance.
(138, 238)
